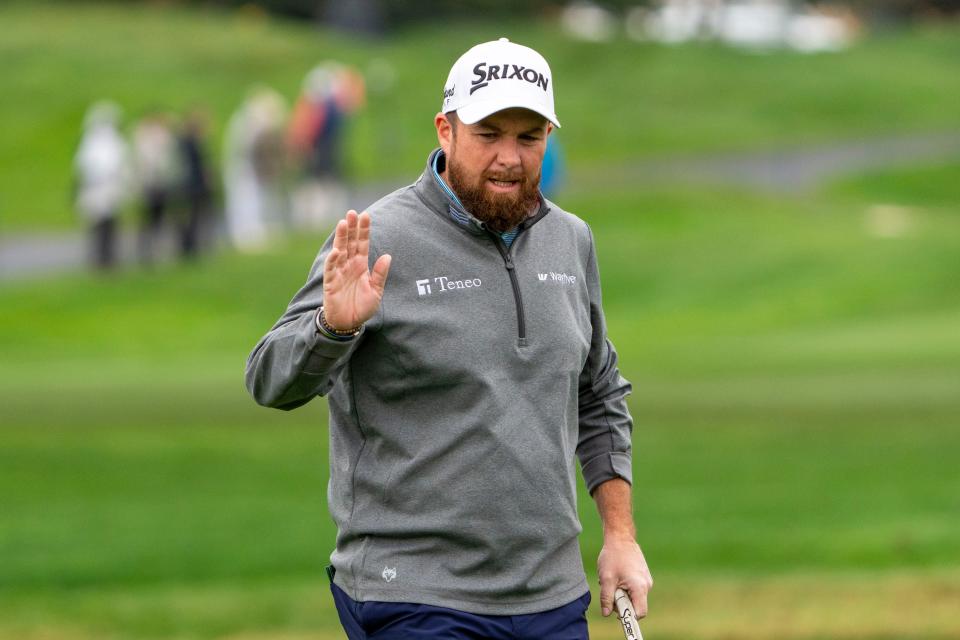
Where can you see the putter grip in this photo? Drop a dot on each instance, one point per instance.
(627, 617)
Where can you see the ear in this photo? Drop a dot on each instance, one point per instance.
(444, 132)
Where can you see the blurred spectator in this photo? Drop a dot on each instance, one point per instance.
(750, 24)
(155, 157)
(253, 168)
(552, 172)
(331, 93)
(195, 223)
(102, 180)
(588, 21)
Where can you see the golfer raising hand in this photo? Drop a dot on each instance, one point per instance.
(351, 291)
(464, 389)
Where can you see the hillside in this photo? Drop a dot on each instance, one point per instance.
(617, 101)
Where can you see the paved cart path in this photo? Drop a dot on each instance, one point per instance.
(786, 169)
(39, 254)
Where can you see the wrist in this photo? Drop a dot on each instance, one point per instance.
(625, 534)
(324, 327)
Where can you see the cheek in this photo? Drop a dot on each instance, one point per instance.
(532, 161)
(472, 157)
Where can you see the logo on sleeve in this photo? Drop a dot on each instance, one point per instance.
(389, 573)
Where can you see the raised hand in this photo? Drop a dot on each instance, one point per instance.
(351, 291)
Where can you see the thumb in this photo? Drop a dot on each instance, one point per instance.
(378, 277)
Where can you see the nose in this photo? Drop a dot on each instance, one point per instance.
(508, 153)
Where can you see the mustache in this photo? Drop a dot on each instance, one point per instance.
(507, 177)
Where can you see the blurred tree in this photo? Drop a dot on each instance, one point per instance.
(375, 16)
(356, 16)
(892, 11)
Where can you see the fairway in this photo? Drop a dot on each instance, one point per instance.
(796, 402)
(795, 357)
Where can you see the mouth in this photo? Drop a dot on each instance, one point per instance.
(503, 185)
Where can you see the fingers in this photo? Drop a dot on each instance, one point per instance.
(345, 236)
(639, 600)
(340, 236)
(608, 585)
(378, 277)
(330, 264)
(638, 590)
(352, 233)
(363, 235)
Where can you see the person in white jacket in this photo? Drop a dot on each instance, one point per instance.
(101, 166)
(252, 172)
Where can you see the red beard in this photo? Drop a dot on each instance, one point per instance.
(500, 211)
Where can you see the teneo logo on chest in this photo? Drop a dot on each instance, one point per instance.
(561, 278)
(443, 284)
(485, 72)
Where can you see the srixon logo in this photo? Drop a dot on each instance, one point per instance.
(484, 72)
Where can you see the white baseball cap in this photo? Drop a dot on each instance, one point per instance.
(498, 75)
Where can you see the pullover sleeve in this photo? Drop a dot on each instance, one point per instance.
(604, 443)
(294, 362)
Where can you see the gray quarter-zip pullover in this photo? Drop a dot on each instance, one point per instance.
(457, 415)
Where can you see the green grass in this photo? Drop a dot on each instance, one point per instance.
(795, 366)
(617, 100)
(796, 401)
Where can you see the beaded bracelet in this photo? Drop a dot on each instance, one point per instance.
(337, 334)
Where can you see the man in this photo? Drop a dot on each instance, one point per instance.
(463, 386)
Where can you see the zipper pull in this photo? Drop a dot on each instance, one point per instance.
(508, 262)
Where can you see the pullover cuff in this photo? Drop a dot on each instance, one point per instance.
(324, 350)
(605, 467)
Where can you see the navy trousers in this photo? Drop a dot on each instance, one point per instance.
(409, 621)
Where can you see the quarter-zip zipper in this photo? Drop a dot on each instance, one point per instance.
(512, 272)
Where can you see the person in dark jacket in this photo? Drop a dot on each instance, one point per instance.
(197, 190)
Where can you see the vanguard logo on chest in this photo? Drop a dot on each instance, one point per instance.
(485, 72)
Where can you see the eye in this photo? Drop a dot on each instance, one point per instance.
(487, 135)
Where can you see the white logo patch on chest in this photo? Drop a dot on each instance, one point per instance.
(443, 284)
(560, 278)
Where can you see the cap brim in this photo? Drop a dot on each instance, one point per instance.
(477, 111)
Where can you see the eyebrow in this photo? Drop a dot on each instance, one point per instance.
(492, 127)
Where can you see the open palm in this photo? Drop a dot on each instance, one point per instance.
(351, 290)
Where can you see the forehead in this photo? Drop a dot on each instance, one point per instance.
(513, 119)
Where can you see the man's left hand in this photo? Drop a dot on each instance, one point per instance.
(621, 565)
